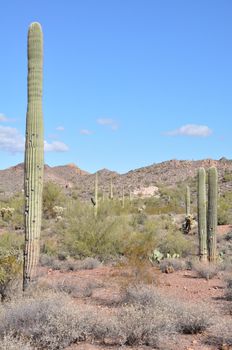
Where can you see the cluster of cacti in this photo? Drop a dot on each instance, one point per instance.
(34, 154)
(6, 212)
(58, 212)
(207, 219)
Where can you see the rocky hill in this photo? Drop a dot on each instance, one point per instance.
(137, 181)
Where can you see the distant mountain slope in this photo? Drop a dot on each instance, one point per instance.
(73, 178)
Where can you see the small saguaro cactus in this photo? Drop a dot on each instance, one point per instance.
(34, 154)
(202, 227)
(123, 197)
(111, 189)
(96, 195)
(187, 201)
(212, 214)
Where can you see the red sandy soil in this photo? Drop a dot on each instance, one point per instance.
(182, 285)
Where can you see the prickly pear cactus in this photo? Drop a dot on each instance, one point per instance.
(212, 213)
(34, 154)
(202, 227)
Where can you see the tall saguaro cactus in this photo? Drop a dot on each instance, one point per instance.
(187, 201)
(96, 195)
(34, 154)
(111, 189)
(123, 197)
(202, 226)
(212, 213)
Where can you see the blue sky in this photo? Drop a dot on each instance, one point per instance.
(127, 83)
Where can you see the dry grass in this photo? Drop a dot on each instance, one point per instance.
(206, 270)
(8, 342)
(220, 334)
(54, 321)
(176, 264)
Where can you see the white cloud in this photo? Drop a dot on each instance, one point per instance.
(108, 122)
(55, 146)
(60, 128)
(191, 130)
(86, 132)
(12, 141)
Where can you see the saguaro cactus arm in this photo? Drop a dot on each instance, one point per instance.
(34, 153)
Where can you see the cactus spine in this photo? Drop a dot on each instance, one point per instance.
(187, 201)
(212, 213)
(96, 195)
(34, 154)
(202, 227)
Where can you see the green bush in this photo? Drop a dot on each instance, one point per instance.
(10, 273)
(52, 196)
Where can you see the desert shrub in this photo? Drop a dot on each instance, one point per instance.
(52, 196)
(86, 236)
(147, 326)
(73, 289)
(52, 321)
(17, 202)
(229, 289)
(140, 294)
(89, 264)
(51, 262)
(11, 240)
(49, 322)
(149, 317)
(220, 334)
(8, 342)
(185, 318)
(228, 236)
(175, 264)
(192, 318)
(224, 209)
(68, 264)
(10, 273)
(205, 270)
(174, 242)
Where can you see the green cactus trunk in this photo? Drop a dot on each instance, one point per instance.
(111, 189)
(187, 201)
(96, 195)
(212, 214)
(202, 226)
(34, 154)
(123, 197)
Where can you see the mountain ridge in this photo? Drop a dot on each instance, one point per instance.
(70, 176)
